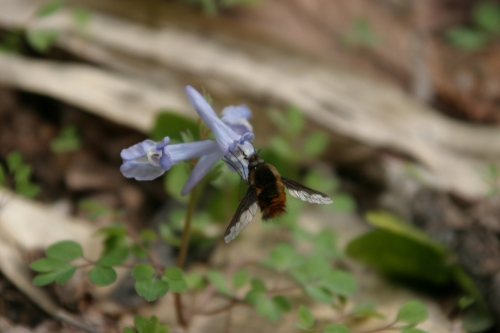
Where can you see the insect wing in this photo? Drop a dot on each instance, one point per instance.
(305, 193)
(244, 214)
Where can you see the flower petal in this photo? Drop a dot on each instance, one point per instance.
(224, 135)
(140, 170)
(232, 113)
(200, 170)
(137, 151)
(184, 151)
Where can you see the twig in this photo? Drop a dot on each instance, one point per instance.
(181, 257)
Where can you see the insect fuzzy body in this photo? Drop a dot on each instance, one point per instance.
(266, 189)
(269, 189)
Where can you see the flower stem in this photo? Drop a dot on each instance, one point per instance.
(181, 257)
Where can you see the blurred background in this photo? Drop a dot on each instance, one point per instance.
(391, 107)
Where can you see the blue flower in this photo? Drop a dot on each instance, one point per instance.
(233, 133)
(148, 160)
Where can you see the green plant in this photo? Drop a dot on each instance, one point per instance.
(17, 175)
(308, 262)
(43, 39)
(484, 29)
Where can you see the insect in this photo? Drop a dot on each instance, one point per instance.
(266, 189)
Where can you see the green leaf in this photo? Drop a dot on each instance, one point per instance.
(467, 39)
(325, 243)
(116, 229)
(128, 330)
(94, 208)
(305, 316)
(177, 286)
(487, 16)
(313, 268)
(258, 285)
(320, 294)
(341, 283)
(268, 309)
(141, 323)
(143, 272)
(253, 296)
(49, 265)
(22, 173)
(41, 40)
(64, 251)
(296, 120)
(44, 279)
(391, 222)
(67, 141)
(27, 189)
(102, 275)
(412, 313)
(114, 257)
(282, 303)
(55, 270)
(148, 235)
(303, 327)
(315, 144)
(173, 273)
(81, 16)
(151, 289)
(336, 328)
(65, 275)
(174, 181)
(175, 278)
(14, 161)
(283, 256)
(11, 43)
(49, 8)
(366, 310)
(401, 256)
(218, 280)
(195, 281)
(240, 278)
(172, 124)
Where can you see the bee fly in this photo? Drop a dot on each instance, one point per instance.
(266, 189)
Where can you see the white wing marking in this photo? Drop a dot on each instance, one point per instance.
(309, 197)
(244, 219)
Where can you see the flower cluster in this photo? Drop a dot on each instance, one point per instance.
(233, 133)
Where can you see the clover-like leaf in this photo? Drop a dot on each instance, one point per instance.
(49, 8)
(240, 278)
(151, 289)
(54, 269)
(42, 40)
(306, 317)
(175, 278)
(268, 309)
(340, 282)
(218, 280)
(320, 294)
(102, 275)
(282, 303)
(143, 272)
(64, 251)
(412, 313)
